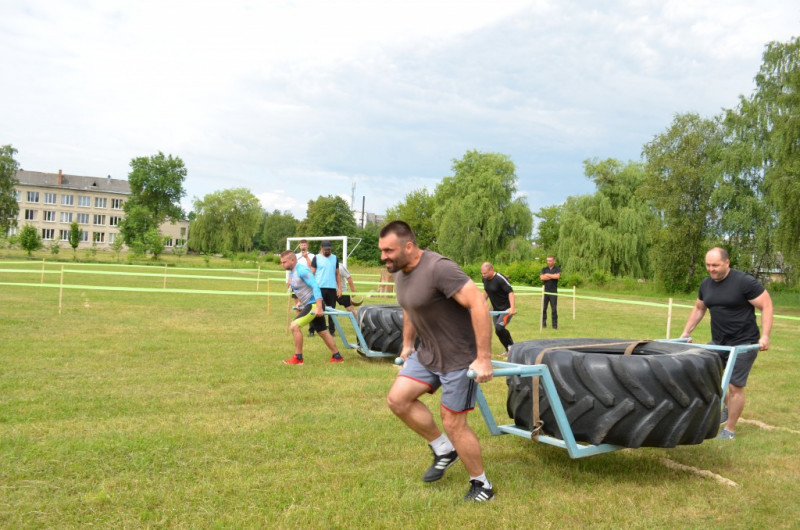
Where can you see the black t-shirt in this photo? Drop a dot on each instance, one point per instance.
(498, 288)
(733, 317)
(551, 286)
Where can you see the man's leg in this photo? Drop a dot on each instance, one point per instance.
(297, 333)
(502, 333)
(554, 311)
(544, 311)
(404, 403)
(735, 402)
(464, 440)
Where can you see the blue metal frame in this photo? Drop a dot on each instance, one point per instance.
(575, 450)
(361, 344)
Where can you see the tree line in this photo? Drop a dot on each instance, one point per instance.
(731, 180)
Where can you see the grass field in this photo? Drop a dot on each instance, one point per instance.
(172, 409)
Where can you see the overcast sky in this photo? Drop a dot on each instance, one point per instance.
(297, 99)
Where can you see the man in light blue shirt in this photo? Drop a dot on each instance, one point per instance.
(326, 271)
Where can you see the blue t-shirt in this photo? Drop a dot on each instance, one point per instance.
(304, 285)
(326, 270)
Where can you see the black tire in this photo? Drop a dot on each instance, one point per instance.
(664, 394)
(382, 327)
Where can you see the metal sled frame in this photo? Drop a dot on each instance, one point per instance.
(574, 449)
(361, 343)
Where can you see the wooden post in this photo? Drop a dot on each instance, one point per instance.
(165, 276)
(269, 295)
(42, 280)
(573, 302)
(258, 279)
(541, 310)
(669, 317)
(61, 290)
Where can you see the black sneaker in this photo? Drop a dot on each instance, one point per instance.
(477, 493)
(440, 465)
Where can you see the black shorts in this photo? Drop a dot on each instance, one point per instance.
(344, 300)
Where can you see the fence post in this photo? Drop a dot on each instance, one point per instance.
(541, 310)
(258, 279)
(165, 276)
(573, 302)
(42, 280)
(669, 316)
(61, 290)
(269, 295)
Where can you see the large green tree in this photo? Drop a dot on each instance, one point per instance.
(9, 208)
(417, 210)
(767, 127)
(609, 230)
(156, 190)
(478, 212)
(225, 221)
(328, 216)
(547, 229)
(684, 165)
(275, 228)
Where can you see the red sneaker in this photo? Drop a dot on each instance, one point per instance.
(335, 360)
(293, 360)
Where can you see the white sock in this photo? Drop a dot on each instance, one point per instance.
(442, 445)
(482, 478)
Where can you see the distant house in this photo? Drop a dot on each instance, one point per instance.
(52, 201)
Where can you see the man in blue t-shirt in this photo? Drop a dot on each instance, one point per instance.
(305, 287)
(326, 271)
(732, 298)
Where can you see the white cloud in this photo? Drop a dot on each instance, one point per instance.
(298, 99)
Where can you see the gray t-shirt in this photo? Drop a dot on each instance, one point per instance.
(447, 340)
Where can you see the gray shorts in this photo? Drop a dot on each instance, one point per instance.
(741, 370)
(458, 390)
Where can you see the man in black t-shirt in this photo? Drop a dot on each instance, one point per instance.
(497, 289)
(732, 297)
(550, 276)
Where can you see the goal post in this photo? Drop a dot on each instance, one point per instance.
(291, 243)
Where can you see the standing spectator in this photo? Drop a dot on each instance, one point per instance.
(445, 308)
(307, 291)
(732, 298)
(345, 300)
(550, 276)
(497, 289)
(326, 270)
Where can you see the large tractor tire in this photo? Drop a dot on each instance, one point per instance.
(382, 327)
(662, 395)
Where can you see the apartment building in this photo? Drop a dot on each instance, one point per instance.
(52, 201)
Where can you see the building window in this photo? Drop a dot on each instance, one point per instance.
(30, 215)
(33, 196)
(99, 220)
(114, 221)
(100, 202)
(99, 237)
(116, 204)
(168, 244)
(112, 237)
(49, 198)
(13, 231)
(48, 234)
(50, 216)
(84, 200)
(84, 236)
(67, 200)
(18, 195)
(64, 235)
(66, 217)
(180, 242)
(83, 218)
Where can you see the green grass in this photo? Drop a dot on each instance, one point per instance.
(174, 410)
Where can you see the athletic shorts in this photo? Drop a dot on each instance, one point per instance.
(458, 390)
(741, 370)
(306, 317)
(344, 300)
(502, 320)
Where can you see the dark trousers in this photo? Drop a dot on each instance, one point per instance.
(329, 298)
(500, 323)
(553, 301)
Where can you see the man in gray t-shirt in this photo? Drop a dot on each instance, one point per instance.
(445, 308)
